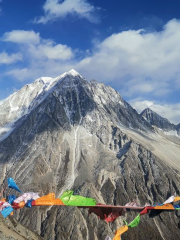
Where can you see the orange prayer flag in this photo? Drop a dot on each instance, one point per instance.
(120, 231)
(47, 200)
(3, 200)
(49, 196)
(167, 206)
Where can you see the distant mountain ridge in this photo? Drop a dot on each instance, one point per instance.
(156, 120)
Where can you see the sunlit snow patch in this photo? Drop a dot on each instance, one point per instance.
(171, 133)
(6, 131)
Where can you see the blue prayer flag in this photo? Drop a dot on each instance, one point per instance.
(29, 203)
(6, 211)
(11, 199)
(12, 184)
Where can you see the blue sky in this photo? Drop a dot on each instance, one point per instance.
(131, 45)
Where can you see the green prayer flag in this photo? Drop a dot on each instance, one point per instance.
(74, 200)
(135, 222)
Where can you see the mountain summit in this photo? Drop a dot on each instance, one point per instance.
(74, 73)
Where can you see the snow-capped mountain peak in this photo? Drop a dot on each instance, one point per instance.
(23, 101)
(74, 73)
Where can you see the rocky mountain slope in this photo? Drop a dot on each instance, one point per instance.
(83, 136)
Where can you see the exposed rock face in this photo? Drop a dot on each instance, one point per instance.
(76, 138)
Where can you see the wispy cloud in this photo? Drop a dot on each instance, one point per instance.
(19, 74)
(51, 50)
(54, 9)
(36, 47)
(39, 53)
(21, 36)
(6, 58)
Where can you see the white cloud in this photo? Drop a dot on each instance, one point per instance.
(54, 9)
(136, 61)
(21, 36)
(169, 111)
(10, 58)
(19, 74)
(51, 51)
(36, 47)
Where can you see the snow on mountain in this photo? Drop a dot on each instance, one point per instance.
(23, 101)
(74, 73)
(171, 133)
